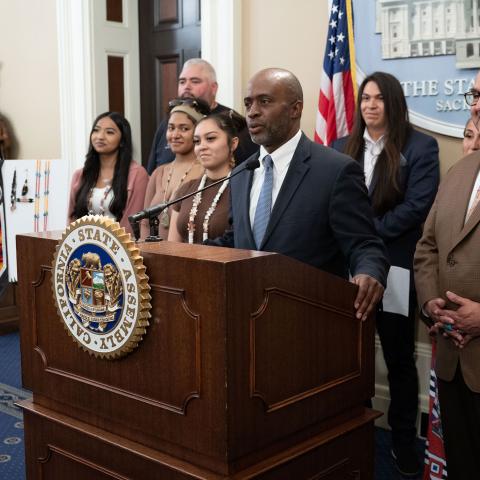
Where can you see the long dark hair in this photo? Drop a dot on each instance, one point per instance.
(387, 192)
(91, 170)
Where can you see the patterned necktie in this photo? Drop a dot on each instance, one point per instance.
(475, 202)
(264, 205)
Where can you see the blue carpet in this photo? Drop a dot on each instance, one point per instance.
(12, 465)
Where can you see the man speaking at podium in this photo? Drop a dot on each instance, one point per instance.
(305, 201)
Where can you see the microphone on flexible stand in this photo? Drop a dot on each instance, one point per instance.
(152, 213)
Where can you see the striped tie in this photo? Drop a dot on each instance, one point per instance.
(264, 205)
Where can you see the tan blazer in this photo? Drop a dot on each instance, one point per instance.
(448, 258)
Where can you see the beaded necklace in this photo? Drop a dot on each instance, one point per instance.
(46, 191)
(36, 215)
(25, 185)
(13, 194)
(164, 217)
(196, 202)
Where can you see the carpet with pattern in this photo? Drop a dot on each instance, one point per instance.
(12, 465)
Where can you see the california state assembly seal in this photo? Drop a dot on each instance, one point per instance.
(100, 287)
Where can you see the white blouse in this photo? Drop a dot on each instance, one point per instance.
(100, 204)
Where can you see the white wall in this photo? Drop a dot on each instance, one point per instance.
(287, 34)
(29, 95)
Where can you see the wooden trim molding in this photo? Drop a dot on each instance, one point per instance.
(274, 396)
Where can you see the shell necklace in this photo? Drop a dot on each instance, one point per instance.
(196, 202)
(164, 217)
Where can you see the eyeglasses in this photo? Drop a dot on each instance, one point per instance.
(472, 97)
(191, 102)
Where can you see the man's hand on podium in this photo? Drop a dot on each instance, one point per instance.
(370, 291)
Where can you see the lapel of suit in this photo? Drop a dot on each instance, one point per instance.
(244, 202)
(296, 172)
(361, 162)
(460, 203)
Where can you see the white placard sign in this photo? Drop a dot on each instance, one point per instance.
(36, 198)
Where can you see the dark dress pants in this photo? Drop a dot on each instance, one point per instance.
(397, 336)
(460, 413)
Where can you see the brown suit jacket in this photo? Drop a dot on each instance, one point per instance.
(448, 258)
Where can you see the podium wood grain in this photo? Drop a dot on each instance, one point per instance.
(253, 366)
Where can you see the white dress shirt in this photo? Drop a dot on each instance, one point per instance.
(281, 158)
(372, 151)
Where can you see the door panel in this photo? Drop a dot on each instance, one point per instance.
(169, 33)
(115, 62)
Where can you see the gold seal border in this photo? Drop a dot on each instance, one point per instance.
(133, 253)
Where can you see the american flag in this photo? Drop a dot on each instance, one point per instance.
(336, 102)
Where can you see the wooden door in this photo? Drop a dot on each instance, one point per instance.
(169, 33)
(114, 36)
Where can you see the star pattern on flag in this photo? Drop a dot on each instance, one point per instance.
(337, 98)
(337, 36)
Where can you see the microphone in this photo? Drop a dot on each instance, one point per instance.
(152, 212)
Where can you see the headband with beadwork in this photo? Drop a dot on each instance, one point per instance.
(191, 112)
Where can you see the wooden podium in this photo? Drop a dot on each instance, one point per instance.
(253, 366)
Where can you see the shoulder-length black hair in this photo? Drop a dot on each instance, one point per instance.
(91, 170)
(387, 192)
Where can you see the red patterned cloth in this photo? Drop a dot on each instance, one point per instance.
(435, 462)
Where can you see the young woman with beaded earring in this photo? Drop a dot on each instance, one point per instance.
(110, 183)
(206, 214)
(168, 178)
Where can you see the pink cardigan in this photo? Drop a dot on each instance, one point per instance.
(137, 184)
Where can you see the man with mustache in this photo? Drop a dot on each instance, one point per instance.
(196, 80)
(447, 276)
(305, 201)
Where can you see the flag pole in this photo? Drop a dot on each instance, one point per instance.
(351, 45)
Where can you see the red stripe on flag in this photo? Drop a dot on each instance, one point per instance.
(331, 120)
(349, 99)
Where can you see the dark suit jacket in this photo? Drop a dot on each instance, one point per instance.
(448, 258)
(160, 152)
(401, 226)
(322, 215)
